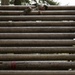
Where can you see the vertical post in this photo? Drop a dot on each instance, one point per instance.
(4, 2)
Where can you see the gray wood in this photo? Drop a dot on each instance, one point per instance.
(36, 23)
(37, 18)
(36, 29)
(36, 65)
(24, 57)
(36, 42)
(33, 72)
(24, 50)
(37, 35)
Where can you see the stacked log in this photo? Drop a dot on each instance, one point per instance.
(37, 43)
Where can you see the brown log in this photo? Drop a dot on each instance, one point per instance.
(55, 12)
(24, 57)
(37, 18)
(37, 35)
(34, 42)
(18, 7)
(60, 7)
(37, 23)
(25, 50)
(36, 65)
(7, 12)
(36, 72)
(36, 29)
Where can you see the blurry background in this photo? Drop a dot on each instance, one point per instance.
(50, 2)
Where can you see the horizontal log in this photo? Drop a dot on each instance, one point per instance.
(55, 12)
(36, 65)
(18, 7)
(37, 23)
(60, 8)
(36, 29)
(23, 50)
(37, 18)
(37, 35)
(11, 12)
(24, 57)
(51, 12)
(36, 72)
(34, 42)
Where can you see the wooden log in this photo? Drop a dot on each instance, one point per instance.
(24, 57)
(37, 35)
(36, 65)
(12, 12)
(24, 50)
(18, 7)
(36, 72)
(37, 18)
(36, 23)
(52, 12)
(34, 42)
(36, 29)
(59, 7)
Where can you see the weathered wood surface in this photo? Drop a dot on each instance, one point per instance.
(38, 18)
(41, 43)
(36, 29)
(33, 72)
(25, 50)
(36, 23)
(24, 57)
(36, 65)
(51, 12)
(35, 42)
(18, 7)
(37, 35)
